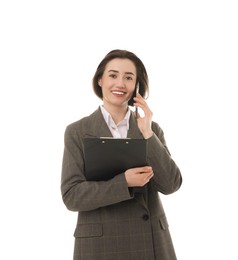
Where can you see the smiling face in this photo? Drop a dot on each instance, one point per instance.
(118, 82)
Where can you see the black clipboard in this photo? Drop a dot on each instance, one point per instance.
(107, 157)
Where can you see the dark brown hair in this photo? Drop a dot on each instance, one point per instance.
(142, 76)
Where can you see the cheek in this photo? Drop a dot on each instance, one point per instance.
(131, 89)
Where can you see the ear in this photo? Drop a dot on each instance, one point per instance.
(100, 82)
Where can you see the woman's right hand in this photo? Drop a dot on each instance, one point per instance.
(138, 177)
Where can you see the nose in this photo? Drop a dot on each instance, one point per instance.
(121, 82)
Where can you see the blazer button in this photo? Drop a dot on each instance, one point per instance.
(145, 217)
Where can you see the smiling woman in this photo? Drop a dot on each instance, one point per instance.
(117, 220)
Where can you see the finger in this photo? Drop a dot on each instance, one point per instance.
(149, 174)
(144, 106)
(145, 169)
(138, 98)
(138, 95)
(149, 177)
(139, 101)
(146, 177)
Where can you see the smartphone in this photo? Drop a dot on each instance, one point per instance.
(137, 91)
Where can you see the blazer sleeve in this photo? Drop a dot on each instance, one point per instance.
(79, 194)
(167, 177)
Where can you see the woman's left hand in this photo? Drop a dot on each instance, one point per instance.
(144, 123)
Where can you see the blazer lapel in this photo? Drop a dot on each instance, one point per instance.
(98, 126)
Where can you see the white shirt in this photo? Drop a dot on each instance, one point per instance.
(120, 130)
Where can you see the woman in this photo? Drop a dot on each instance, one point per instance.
(114, 220)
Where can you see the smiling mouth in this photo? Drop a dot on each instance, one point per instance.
(118, 92)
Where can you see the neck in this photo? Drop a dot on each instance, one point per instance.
(117, 113)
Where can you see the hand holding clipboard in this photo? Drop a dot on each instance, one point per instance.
(106, 157)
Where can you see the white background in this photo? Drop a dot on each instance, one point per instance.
(49, 51)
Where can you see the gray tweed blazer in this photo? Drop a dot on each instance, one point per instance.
(115, 222)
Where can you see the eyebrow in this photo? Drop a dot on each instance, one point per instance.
(115, 71)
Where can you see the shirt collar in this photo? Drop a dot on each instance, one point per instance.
(109, 119)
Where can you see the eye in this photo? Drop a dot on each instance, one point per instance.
(129, 78)
(113, 76)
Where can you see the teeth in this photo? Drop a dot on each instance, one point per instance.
(117, 92)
